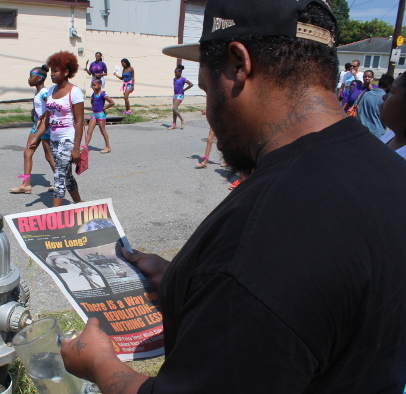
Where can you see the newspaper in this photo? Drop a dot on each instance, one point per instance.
(80, 247)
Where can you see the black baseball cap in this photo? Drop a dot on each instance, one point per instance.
(224, 19)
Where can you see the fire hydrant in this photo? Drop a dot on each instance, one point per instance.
(14, 314)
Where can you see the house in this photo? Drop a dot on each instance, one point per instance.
(31, 30)
(373, 53)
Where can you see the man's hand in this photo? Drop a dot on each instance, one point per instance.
(151, 265)
(91, 356)
(82, 355)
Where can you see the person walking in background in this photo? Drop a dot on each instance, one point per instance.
(36, 79)
(352, 75)
(64, 116)
(97, 69)
(128, 84)
(359, 88)
(210, 139)
(347, 68)
(178, 96)
(393, 115)
(369, 106)
(99, 114)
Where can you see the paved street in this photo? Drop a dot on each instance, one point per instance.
(158, 195)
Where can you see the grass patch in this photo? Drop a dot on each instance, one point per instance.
(22, 383)
(190, 108)
(134, 118)
(15, 119)
(13, 111)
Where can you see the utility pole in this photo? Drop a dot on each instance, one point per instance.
(398, 29)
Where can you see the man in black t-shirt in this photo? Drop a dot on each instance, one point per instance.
(296, 282)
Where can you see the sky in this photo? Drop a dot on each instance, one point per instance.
(365, 10)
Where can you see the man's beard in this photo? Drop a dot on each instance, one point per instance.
(227, 141)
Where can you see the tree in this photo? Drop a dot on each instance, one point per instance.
(342, 14)
(358, 30)
(377, 28)
(352, 32)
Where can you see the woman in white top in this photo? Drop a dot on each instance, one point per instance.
(37, 79)
(393, 112)
(65, 113)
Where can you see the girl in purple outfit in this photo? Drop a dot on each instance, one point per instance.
(128, 84)
(179, 90)
(358, 89)
(99, 114)
(98, 68)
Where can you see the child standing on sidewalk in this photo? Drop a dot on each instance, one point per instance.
(99, 114)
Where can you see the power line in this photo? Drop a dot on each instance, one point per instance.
(365, 2)
(390, 10)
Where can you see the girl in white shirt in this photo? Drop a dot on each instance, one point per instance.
(65, 114)
(37, 79)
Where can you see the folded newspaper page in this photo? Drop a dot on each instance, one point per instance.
(79, 245)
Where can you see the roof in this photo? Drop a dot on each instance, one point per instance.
(370, 45)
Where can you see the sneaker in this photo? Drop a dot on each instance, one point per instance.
(234, 185)
(21, 189)
(129, 112)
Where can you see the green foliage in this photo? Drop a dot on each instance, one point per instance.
(377, 28)
(351, 30)
(342, 14)
(358, 30)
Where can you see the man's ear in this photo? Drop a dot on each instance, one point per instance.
(239, 62)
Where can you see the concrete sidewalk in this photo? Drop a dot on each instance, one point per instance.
(158, 195)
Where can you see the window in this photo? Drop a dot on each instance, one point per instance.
(401, 61)
(372, 61)
(8, 19)
(376, 61)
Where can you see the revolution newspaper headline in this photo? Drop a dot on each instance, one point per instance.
(80, 247)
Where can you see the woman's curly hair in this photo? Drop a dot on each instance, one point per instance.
(65, 61)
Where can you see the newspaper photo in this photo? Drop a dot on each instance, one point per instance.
(79, 245)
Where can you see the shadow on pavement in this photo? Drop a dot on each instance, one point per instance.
(94, 148)
(46, 198)
(40, 180)
(226, 174)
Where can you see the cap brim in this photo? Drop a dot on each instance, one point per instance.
(184, 51)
